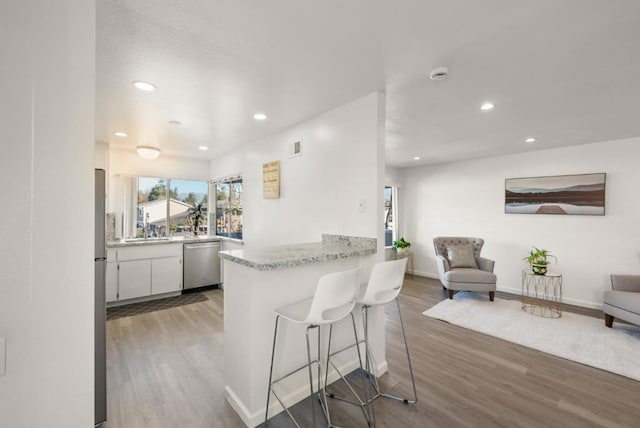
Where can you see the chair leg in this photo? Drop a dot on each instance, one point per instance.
(608, 320)
(492, 294)
(329, 364)
(273, 353)
(450, 294)
(406, 348)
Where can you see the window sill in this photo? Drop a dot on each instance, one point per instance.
(234, 240)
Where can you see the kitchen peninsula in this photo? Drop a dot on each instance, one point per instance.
(259, 280)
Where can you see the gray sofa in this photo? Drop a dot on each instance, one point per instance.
(623, 300)
(474, 273)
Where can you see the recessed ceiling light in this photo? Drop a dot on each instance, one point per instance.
(259, 116)
(530, 140)
(175, 122)
(121, 134)
(144, 86)
(416, 158)
(203, 148)
(487, 107)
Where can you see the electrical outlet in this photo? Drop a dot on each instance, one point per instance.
(3, 355)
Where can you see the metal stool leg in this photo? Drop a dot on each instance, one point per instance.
(309, 364)
(273, 354)
(330, 363)
(406, 347)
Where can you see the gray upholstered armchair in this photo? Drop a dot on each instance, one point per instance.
(623, 300)
(460, 266)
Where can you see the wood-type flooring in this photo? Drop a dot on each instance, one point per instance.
(165, 369)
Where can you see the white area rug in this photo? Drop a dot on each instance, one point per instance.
(577, 338)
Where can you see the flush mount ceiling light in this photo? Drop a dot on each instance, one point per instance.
(121, 134)
(259, 116)
(203, 148)
(487, 107)
(530, 140)
(416, 158)
(148, 152)
(144, 86)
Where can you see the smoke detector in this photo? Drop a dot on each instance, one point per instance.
(439, 73)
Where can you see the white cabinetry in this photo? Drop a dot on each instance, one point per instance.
(111, 289)
(166, 275)
(134, 279)
(143, 270)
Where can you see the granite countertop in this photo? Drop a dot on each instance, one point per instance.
(161, 241)
(332, 247)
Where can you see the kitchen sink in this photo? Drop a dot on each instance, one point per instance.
(145, 239)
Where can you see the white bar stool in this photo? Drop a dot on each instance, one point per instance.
(333, 300)
(383, 287)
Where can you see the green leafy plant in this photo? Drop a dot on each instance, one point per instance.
(401, 243)
(196, 217)
(538, 260)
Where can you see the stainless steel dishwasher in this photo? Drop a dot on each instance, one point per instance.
(201, 264)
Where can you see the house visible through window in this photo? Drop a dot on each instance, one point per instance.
(229, 209)
(164, 206)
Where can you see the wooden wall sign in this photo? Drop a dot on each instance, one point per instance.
(271, 180)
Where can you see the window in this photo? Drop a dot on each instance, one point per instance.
(152, 207)
(164, 205)
(390, 225)
(229, 207)
(186, 196)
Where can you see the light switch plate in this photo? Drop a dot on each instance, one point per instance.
(3, 355)
(362, 206)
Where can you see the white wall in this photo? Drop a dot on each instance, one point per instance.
(342, 162)
(467, 198)
(46, 237)
(123, 161)
(102, 155)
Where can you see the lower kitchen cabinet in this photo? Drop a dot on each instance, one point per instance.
(134, 279)
(111, 285)
(166, 275)
(142, 271)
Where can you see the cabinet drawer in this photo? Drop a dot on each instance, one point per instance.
(149, 252)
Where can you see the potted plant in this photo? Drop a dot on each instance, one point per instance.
(537, 260)
(196, 217)
(401, 245)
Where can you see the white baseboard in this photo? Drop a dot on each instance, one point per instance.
(301, 392)
(569, 301)
(426, 274)
(518, 291)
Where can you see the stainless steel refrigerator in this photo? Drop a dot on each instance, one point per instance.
(100, 309)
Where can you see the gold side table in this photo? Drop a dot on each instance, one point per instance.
(407, 255)
(542, 294)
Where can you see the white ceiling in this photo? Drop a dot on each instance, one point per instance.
(566, 72)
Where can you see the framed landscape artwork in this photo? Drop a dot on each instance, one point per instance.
(581, 194)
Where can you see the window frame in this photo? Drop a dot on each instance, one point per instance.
(213, 208)
(167, 201)
(394, 213)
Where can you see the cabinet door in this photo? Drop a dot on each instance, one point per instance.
(134, 279)
(111, 286)
(166, 275)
